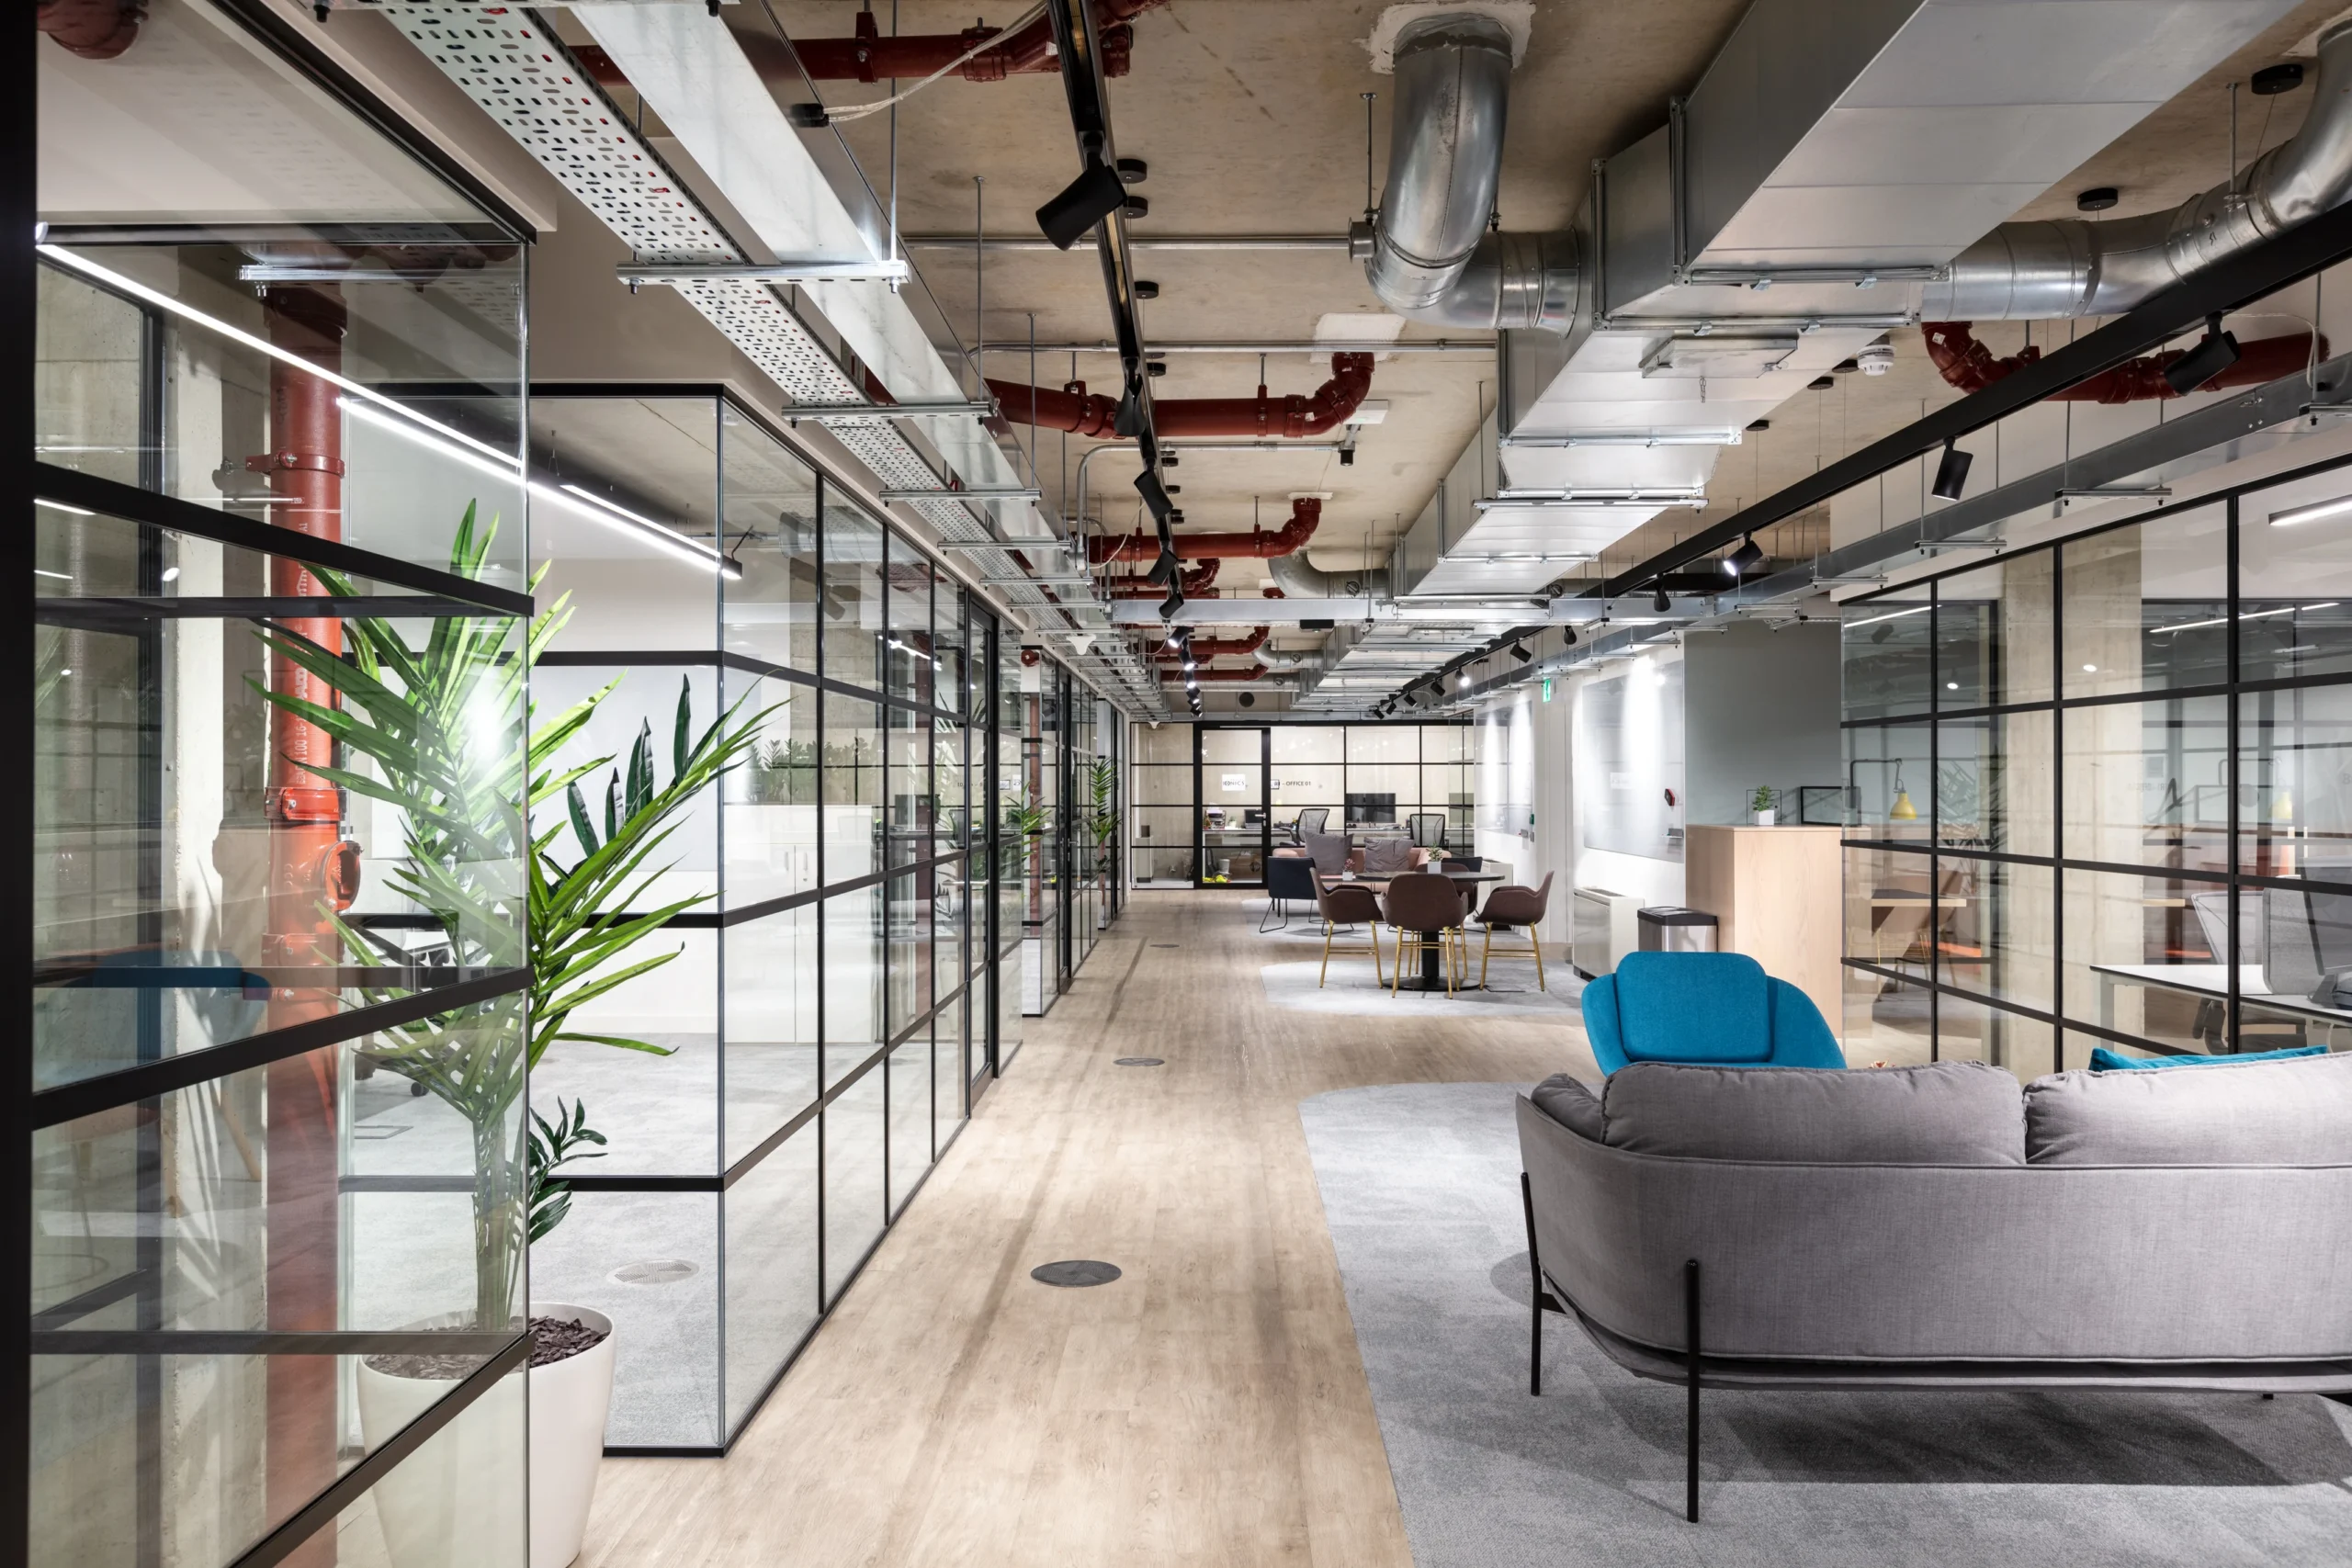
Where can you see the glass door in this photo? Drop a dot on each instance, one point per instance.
(1233, 838)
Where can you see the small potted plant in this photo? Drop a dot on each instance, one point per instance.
(1759, 806)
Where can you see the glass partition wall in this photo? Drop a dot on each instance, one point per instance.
(1210, 800)
(812, 1026)
(277, 1042)
(2099, 790)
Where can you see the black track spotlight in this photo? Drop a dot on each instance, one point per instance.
(1163, 570)
(1519, 652)
(1155, 495)
(1744, 560)
(1169, 605)
(2214, 352)
(1248, 699)
(1662, 605)
(1951, 473)
(1084, 202)
(1568, 637)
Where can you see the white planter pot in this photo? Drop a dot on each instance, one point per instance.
(1762, 818)
(569, 1402)
(447, 1502)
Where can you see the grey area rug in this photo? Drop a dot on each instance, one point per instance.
(1420, 1186)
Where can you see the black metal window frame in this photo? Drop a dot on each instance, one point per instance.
(1931, 720)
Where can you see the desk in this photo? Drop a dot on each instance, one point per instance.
(1432, 969)
(2210, 981)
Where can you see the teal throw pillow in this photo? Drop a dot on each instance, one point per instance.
(2106, 1061)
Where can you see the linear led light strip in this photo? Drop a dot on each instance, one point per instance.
(2257, 616)
(162, 301)
(1894, 615)
(571, 498)
(2313, 513)
(388, 413)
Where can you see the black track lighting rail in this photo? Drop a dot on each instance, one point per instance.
(2229, 284)
(1097, 200)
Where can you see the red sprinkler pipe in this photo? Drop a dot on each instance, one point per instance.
(1195, 583)
(95, 29)
(1968, 364)
(1251, 673)
(869, 57)
(312, 868)
(1083, 413)
(1204, 648)
(1258, 544)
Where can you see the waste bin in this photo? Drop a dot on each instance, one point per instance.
(1671, 927)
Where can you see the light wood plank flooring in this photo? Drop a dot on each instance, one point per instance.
(1207, 1408)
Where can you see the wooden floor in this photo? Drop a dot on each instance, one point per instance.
(1207, 1408)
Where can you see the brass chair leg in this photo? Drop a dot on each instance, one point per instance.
(1537, 943)
(1326, 972)
(1377, 976)
(1396, 976)
(1484, 955)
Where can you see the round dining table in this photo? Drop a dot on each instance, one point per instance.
(1432, 959)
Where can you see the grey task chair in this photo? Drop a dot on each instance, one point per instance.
(1427, 828)
(1311, 821)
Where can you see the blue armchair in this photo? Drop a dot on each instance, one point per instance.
(1717, 1008)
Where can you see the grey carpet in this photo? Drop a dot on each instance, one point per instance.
(1420, 1187)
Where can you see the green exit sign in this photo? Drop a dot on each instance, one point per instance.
(1547, 688)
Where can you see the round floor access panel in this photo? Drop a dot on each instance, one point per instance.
(1075, 1271)
(1140, 1062)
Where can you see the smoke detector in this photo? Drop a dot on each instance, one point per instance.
(1875, 360)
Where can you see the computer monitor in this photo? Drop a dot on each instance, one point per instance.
(1370, 807)
(2307, 938)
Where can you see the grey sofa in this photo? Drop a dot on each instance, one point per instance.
(1941, 1227)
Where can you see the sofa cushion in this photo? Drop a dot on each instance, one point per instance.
(1329, 851)
(1389, 857)
(2106, 1061)
(1949, 1113)
(1569, 1101)
(2297, 1112)
(1693, 1007)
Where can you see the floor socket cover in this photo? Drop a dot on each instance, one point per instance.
(1139, 1061)
(1075, 1271)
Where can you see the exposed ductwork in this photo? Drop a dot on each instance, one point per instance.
(2069, 267)
(1081, 413)
(1299, 581)
(1429, 255)
(1970, 365)
(1258, 544)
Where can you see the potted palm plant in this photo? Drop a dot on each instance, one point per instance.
(1103, 823)
(446, 726)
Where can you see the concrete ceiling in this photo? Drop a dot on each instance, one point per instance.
(1250, 116)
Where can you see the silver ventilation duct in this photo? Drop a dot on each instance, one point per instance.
(1429, 255)
(1299, 581)
(2068, 267)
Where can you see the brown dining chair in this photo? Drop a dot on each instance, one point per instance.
(1515, 908)
(1424, 908)
(1347, 904)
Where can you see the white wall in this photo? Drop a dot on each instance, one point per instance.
(1527, 751)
